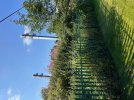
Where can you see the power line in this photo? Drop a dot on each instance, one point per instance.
(10, 15)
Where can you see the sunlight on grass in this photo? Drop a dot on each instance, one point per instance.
(117, 24)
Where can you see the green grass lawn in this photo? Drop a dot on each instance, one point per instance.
(116, 18)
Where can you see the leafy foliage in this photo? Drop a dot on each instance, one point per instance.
(59, 85)
(39, 12)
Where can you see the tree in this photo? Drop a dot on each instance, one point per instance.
(39, 13)
(44, 93)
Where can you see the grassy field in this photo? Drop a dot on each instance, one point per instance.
(95, 76)
(117, 25)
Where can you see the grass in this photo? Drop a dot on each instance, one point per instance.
(117, 25)
(95, 76)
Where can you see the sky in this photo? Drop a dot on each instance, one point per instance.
(20, 59)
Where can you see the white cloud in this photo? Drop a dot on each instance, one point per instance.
(11, 95)
(27, 41)
(14, 97)
(9, 91)
(27, 29)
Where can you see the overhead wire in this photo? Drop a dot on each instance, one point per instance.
(10, 15)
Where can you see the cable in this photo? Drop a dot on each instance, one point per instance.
(10, 15)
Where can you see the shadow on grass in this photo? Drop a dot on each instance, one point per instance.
(119, 38)
(97, 77)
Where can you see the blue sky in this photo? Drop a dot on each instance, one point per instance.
(19, 61)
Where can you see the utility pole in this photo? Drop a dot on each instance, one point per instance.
(36, 75)
(39, 37)
(33, 36)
